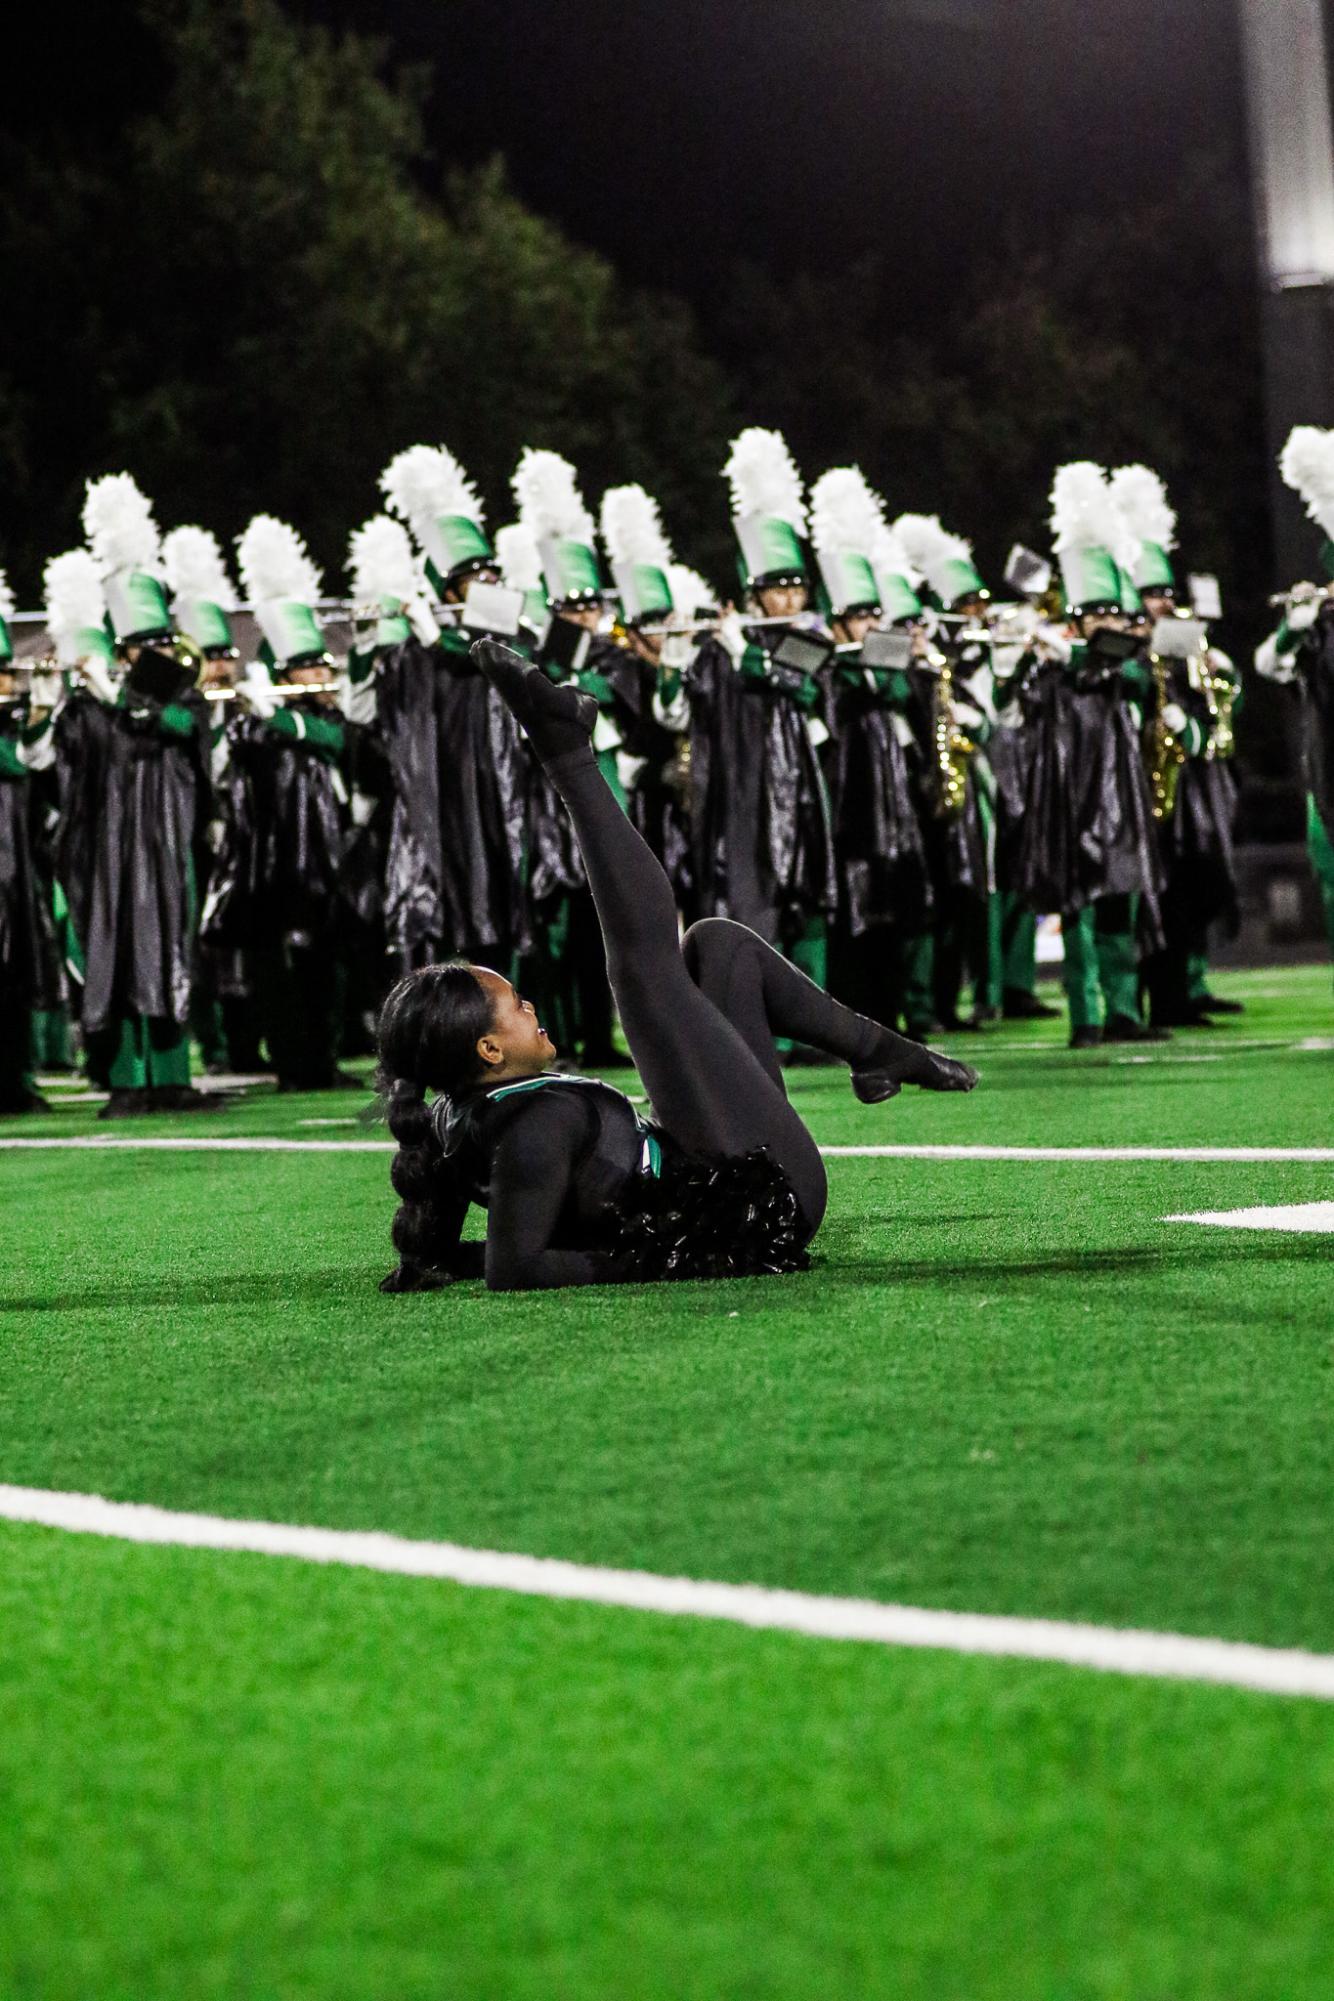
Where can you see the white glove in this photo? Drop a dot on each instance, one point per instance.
(255, 689)
(422, 620)
(1302, 616)
(1175, 717)
(97, 676)
(732, 634)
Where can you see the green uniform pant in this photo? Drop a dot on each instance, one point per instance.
(1321, 850)
(810, 951)
(1101, 961)
(1019, 945)
(52, 1045)
(299, 1001)
(146, 1052)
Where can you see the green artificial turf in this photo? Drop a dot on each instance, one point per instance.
(1007, 1386)
(230, 1776)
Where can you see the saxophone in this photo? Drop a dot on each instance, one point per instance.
(951, 748)
(1220, 693)
(1166, 752)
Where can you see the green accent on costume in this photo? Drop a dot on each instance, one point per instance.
(392, 628)
(1197, 976)
(51, 1041)
(137, 605)
(651, 1157)
(324, 738)
(175, 720)
(6, 643)
(11, 764)
(1153, 568)
(91, 642)
(1089, 577)
(848, 580)
(290, 631)
(1327, 558)
(452, 542)
(1101, 976)
(1019, 945)
(1128, 597)
(644, 590)
(569, 569)
(755, 665)
(957, 578)
(148, 1053)
(809, 953)
(919, 976)
(898, 599)
(1321, 850)
(204, 622)
(770, 547)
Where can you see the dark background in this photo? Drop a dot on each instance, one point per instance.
(250, 248)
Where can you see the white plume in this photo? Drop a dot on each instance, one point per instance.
(1307, 465)
(426, 481)
(1142, 499)
(196, 567)
(928, 544)
(764, 479)
(6, 597)
(518, 557)
(380, 559)
(889, 554)
(1082, 513)
(275, 563)
(72, 586)
(632, 527)
(689, 590)
(118, 521)
(549, 499)
(846, 515)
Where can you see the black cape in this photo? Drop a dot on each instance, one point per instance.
(133, 807)
(763, 848)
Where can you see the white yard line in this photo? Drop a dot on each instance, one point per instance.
(1314, 1219)
(1173, 1656)
(266, 1143)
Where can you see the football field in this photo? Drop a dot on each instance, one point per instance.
(1019, 1382)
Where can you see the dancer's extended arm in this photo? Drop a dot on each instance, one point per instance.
(530, 1179)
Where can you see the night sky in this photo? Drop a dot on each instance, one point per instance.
(676, 135)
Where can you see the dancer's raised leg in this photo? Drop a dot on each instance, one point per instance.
(763, 995)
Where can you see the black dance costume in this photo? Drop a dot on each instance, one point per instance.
(726, 1181)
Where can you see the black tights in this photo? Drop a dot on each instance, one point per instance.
(700, 1018)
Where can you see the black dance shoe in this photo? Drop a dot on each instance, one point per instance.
(1020, 1005)
(939, 1073)
(1215, 1004)
(1125, 1028)
(556, 718)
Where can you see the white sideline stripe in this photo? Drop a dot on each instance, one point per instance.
(1174, 1656)
(262, 1143)
(1311, 1218)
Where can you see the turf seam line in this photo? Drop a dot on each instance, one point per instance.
(1166, 1656)
(266, 1143)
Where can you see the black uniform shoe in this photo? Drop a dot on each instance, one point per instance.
(1020, 1005)
(1086, 1038)
(1125, 1028)
(960, 1024)
(182, 1098)
(1215, 1004)
(923, 1031)
(125, 1105)
(1191, 1017)
(21, 1102)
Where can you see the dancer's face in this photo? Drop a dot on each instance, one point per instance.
(516, 1044)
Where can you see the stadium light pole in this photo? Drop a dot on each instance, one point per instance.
(1292, 175)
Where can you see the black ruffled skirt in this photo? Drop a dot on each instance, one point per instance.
(731, 1217)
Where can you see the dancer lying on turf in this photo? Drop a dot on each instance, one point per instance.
(581, 1190)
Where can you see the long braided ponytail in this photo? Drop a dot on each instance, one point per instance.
(428, 1033)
